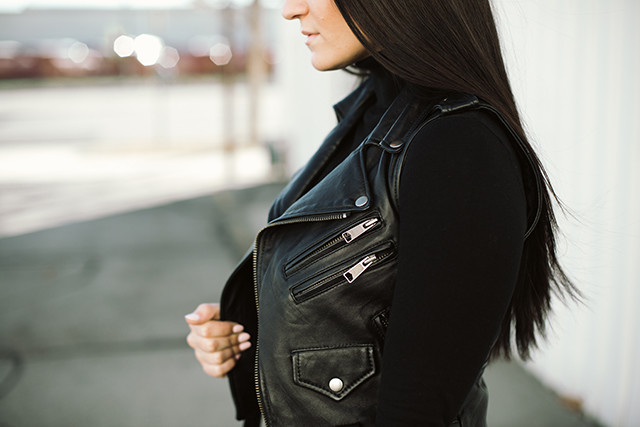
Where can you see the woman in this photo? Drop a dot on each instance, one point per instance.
(417, 240)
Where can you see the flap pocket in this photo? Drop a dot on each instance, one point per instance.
(333, 371)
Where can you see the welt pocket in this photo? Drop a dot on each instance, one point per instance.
(381, 322)
(346, 273)
(336, 241)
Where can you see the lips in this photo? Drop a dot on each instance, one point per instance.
(310, 36)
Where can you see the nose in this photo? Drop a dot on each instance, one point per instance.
(294, 9)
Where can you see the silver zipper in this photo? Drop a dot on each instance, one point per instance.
(346, 237)
(335, 279)
(355, 271)
(357, 231)
(255, 291)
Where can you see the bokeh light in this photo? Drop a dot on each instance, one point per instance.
(169, 58)
(220, 53)
(124, 46)
(148, 49)
(78, 52)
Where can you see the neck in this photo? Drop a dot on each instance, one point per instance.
(386, 86)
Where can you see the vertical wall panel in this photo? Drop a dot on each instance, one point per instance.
(308, 95)
(575, 67)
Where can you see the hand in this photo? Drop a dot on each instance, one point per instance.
(218, 344)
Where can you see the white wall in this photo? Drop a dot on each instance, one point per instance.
(574, 65)
(308, 95)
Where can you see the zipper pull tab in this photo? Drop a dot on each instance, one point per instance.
(355, 232)
(355, 271)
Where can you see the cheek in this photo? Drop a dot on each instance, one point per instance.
(353, 47)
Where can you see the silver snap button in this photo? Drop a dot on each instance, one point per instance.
(336, 384)
(361, 201)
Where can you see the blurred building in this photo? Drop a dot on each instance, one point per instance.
(85, 42)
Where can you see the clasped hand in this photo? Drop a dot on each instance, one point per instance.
(217, 344)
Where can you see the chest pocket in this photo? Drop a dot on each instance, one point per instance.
(346, 273)
(332, 243)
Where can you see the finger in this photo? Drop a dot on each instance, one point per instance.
(217, 328)
(208, 345)
(217, 358)
(219, 371)
(212, 345)
(203, 313)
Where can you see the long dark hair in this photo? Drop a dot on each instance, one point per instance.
(453, 46)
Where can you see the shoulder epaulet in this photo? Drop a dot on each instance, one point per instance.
(457, 102)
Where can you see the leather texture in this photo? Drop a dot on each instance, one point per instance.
(317, 305)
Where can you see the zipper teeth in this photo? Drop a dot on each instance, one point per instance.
(340, 238)
(320, 283)
(256, 377)
(300, 264)
(255, 292)
(334, 241)
(327, 245)
(384, 255)
(334, 276)
(313, 218)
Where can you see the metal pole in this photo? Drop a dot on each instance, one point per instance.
(256, 70)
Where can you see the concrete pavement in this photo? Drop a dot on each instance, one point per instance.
(106, 146)
(91, 327)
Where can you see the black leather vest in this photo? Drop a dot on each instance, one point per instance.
(316, 291)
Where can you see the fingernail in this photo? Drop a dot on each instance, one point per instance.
(243, 337)
(237, 356)
(238, 328)
(245, 345)
(192, 316)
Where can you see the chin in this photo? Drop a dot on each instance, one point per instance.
(326, 66)
(329, 66)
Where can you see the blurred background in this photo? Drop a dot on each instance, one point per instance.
(142, 141)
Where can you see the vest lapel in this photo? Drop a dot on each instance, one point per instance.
(343, 190)
(348, 111)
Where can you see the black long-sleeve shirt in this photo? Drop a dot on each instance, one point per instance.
(462, 222)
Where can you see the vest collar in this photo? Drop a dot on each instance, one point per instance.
(346, 189)
(354, 102)
(348, 111)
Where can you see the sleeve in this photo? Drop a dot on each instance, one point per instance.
(462, 220)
